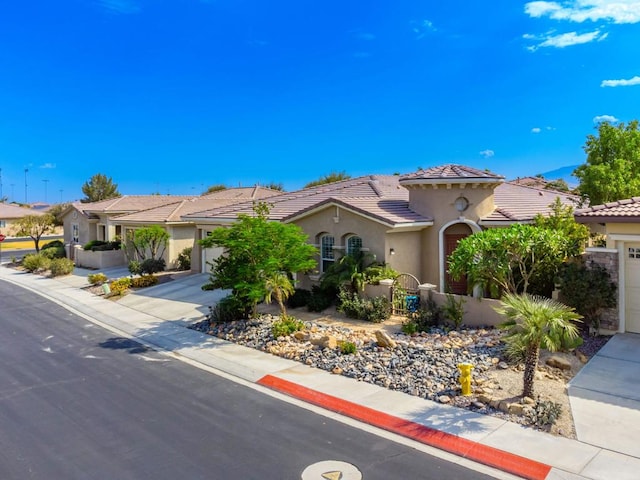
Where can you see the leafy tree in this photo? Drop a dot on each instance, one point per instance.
(562, 220)
(559, 185)
(99, 187)
(536, 322)
(215, 188)
(257, 251)
(348, 269)
(612, 169)
(35, 226)
(509, 259)
(330, 178)
(56, 210)
(148, 243)
(275, 186)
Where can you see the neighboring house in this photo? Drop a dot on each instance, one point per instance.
(620, 223)
(109, 220)
(9, 214)
(412, 222)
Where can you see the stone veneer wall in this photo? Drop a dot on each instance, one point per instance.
(607, 258)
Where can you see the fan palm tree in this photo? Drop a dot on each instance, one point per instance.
(536, 322)
(279, 285)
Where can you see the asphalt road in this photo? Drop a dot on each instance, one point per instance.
(78, 403)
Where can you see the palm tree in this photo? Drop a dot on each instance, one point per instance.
(279, 286)
(536, 322)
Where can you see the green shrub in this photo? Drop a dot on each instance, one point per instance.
(544, 413)
(286, 326)
(228, 309)
(92, 244)
(135, 268)
(347, 348)
(61, 266)
(106, 246)
(300, 298)
(208, 287)
(453, 310)
(376, 309)
(152, 265)
(320, 299)
(54, 252)
(53, 244)
(144, 281)
(120, 286)
(374, 273)
(184, 259)
(409, 327)
(35, 263)
(97, 278)
(426, 317)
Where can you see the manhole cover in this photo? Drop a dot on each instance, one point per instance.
(331, 470)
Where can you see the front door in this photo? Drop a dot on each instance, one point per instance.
(453, 286)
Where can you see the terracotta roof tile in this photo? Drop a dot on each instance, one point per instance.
(8, 211)
(627, 209)
(130, 203)
(451, 172)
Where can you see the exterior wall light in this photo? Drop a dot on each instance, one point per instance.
(392, 251)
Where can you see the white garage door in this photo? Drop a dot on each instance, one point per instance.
(208, 255)
(632, 287)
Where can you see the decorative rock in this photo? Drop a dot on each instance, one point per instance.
(485, 398)
(581, 356)
(559, 362)
(337, 371)
(327, 341)
(384, 340)
(301, 336)
(515, 408)
(528, 401)
(503, 365)
(478, 405)
(444, 399)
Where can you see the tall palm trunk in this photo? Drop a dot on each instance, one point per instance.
(530, 366)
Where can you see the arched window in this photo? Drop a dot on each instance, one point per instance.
(326, 252)
(354, 245)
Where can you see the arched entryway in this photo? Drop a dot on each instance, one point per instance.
(450, 235)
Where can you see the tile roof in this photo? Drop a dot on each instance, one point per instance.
(627, 210)
(257, 193)
(8, 211)
(289, 204)
(520, 203)
(130, 203)
(451, 172)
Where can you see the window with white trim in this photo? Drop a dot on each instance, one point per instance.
(634, 252)
(327, 256)
(354, 245)
(75, 233)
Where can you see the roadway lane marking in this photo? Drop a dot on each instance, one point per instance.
(493, 457)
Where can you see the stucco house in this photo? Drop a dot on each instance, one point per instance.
(109, 220)
(619, 222)
(412, 222)
(9, 214)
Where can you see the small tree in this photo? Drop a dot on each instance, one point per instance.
(214, 188)
(35, 226)
(56, 210)
(536, 322)
(278, 285)
(562, 220)
(257, 251)
(148, 242)
(508, 259)
(99, 187)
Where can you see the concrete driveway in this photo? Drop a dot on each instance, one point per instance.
(605, 397)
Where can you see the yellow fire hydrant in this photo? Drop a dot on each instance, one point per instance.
(465, 378)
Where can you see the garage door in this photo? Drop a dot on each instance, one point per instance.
(632, 287)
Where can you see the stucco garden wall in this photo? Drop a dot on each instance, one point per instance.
(98, 260)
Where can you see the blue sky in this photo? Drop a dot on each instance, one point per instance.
(171, 96)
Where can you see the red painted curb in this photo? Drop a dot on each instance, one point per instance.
(493, 457)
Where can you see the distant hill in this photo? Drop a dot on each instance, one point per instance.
(562, 172)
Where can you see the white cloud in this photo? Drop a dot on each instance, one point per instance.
(119, 6)
(422, 28)
(621, 83)
(605, 118)
(536, 130)
(487, 153)
(48, 165)
(614, 11)
(564, 39)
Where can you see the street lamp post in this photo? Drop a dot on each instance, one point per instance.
(26, 201)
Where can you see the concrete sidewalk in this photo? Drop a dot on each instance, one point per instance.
(508, 447)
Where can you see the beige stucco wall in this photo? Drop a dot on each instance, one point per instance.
(341, 223)
(87, 230)
(182, 236)
(620, 229)
(408, 252)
